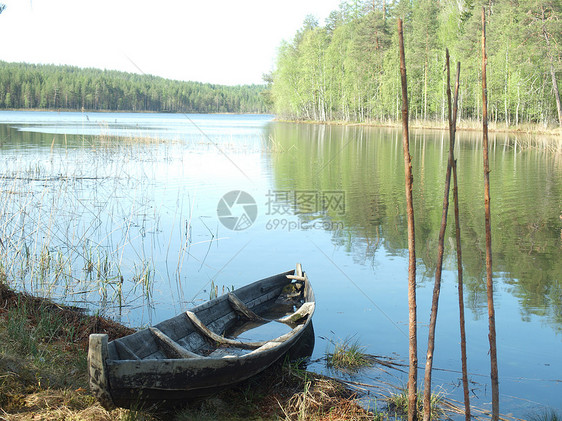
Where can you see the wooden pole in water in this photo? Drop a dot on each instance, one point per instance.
(440, 252)
(459, 262)
(412, 319)
(487, 218)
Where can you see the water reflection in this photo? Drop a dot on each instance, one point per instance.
(367, 164)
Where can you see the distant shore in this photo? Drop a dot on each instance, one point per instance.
(70, 110)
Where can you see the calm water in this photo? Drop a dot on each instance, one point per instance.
(120, 213)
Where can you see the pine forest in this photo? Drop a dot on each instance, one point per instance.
(30, 86)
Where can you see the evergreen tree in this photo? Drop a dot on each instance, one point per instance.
(66, 87)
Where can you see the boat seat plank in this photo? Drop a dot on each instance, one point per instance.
(170, 347)
(242, 310)
(125, 353)
(303, 311)
(204, 330)
(262, 301)
(269, 287)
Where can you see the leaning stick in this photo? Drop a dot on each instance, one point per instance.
(440, 252)
(488, 227)
(459, 263)
(412, 319)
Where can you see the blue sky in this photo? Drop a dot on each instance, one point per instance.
(225, 42)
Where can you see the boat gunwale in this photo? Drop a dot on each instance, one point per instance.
(150, 347)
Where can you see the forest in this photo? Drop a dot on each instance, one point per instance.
(348, 69)
(30, 86)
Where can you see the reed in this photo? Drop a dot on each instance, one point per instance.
(214, 290)
(88, 231)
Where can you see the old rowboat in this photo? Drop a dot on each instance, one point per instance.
(210, 346)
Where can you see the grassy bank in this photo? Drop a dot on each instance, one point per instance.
(43, 375)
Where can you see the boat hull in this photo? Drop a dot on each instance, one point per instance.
(134, 372)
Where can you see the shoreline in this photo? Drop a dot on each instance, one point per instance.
(71, 110)
(468, 126)
(431, 125)
(44, 375)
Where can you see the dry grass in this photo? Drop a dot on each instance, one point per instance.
(325, 399)
(44, 378)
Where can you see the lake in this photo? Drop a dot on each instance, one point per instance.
(140, 216)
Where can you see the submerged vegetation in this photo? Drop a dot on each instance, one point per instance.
(348, 69)
(550, 415)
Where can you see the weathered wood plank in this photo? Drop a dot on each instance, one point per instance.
(142, 342)
(171, 348)
(217, 338)
(245, 293)
(125, 353)
(240, 308)
(305, 310)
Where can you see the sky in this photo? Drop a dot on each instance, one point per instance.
(216, 41)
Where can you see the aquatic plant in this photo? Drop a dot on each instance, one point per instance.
(347, 355)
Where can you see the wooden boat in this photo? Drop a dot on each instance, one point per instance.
(208, 347)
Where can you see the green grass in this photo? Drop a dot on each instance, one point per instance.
(28, 326)
(398, 403)
(348, 355)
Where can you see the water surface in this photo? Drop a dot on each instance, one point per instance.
(118, 213)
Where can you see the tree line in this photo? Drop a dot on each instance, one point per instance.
(348, 69)
(30, 86)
